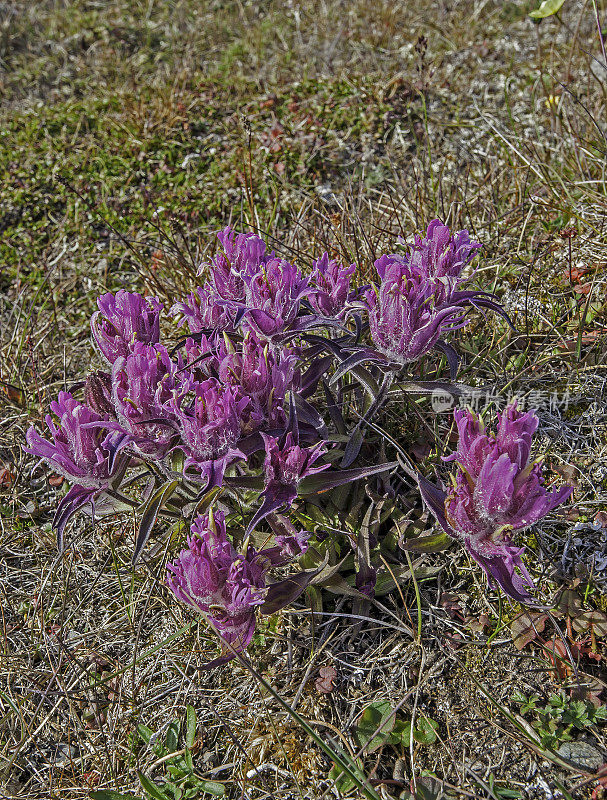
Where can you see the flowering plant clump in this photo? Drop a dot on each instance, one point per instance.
(261, 404)
(495, 492)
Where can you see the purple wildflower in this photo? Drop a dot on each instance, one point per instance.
(331, 282)
(285, 465)
(143, 383)
(441, 257)
(210, 427)
(81, 449)
(204, 311)
(213, 579)
(273, 297)
(294, 543)
(260, 372)
(419, 299)
(404, 320)
(122, 320)
(244, 255)
(496, 492)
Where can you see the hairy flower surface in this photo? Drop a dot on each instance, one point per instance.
(202, 310)
(331, 283)
(403, 318)
(442, 256)
(124, 319)
(143, 383)
(215, 580)
(209, 423)
(418, 300)
(273, 297)
(81, 449)
(260, 372)
(496, 492)
(244, 256)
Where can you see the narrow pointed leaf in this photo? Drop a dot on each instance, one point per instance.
(365, 354)
(313, 374)
(190, 725)
(453, 358)
(150, 514)
(282, 593)
(434, 498)
(77, 497)
(334, 409)
(150, 788)
(329, 479)
(433, 543)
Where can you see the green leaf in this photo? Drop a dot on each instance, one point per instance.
(425, 731)
(150, 788)
(374, 715)
(212, 787)
(172, 737)
(401, 733)
(343, 782)
(145, 733)
(433, 543)
(190, 726)
(150, 514)
(110, 794)
(547, 9)
(329, 479)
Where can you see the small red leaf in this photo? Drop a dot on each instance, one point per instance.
(526, 627)
(324, 682)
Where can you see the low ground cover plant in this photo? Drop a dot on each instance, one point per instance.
(260, 429)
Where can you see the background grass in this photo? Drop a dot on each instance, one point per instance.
(130, 132)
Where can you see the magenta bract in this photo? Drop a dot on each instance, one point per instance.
(122, 320)
(331, 283)
(418, 301)
(208, 416)
(81, 450)
(215, 580)
(143, 383)
(495, 492)
(273, 297)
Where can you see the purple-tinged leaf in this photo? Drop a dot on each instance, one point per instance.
(329, 479)
(353, 360)
(253, 482)
(77, 497)
(282, 593)
(150, 514)
(308, 415)
(452, 356)
(313, 374)
(334, 409)
(352, 448)
(435, 498)
(277, 495)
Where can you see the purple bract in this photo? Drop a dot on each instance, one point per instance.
(215, 580)
(273, 297)
(208, 415)
(495, 492)
(143, 383)
(418, 300)
(331, 282)
(122, 320)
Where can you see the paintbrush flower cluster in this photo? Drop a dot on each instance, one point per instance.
(260, 406)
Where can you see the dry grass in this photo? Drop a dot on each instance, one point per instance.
(131, 131)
